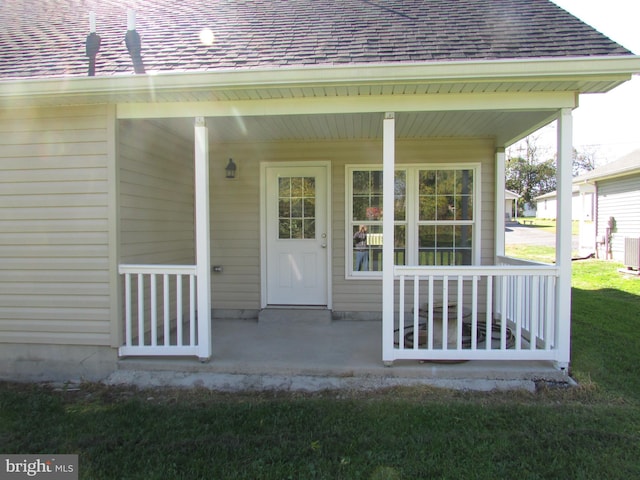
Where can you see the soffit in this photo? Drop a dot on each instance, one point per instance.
(504, 126)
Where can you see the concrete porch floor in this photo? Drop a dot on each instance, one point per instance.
(307, 356)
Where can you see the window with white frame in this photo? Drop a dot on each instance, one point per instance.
(435, 216)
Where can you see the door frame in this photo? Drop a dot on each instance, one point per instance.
(263, 224)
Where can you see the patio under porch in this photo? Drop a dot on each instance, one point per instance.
(310, 356)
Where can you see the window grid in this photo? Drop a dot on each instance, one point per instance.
(296, 208)
(434, 215)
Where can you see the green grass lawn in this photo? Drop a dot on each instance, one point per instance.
(588, 432)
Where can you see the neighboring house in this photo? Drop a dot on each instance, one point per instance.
(581, 205)
(115, 204)
(616, 189)
(510, 205)
(529, 210)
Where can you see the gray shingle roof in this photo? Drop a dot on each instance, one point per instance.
(46, 38)
(626, 165)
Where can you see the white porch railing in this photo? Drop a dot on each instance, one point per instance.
(504, 312)
(160, 310)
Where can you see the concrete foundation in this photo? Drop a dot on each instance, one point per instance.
(59, 363)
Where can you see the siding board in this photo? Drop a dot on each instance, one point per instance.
(619, 198)
(54, 253)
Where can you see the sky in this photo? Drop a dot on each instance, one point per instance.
(607, 124)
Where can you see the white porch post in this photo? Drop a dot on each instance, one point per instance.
(203, 246)
(388, 241)
(563, 239)
(500, 203)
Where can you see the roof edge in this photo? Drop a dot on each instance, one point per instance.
(616, 68)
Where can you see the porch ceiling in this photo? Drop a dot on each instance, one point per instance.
(505, 126)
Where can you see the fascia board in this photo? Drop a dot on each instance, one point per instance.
(615, 69)
(542, 101)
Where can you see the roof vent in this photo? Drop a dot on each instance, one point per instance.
(92, 44)
(134, 45)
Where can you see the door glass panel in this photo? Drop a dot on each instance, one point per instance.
(297, 208)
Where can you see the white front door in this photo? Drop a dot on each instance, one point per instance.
(297, 240)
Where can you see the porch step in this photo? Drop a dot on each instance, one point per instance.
(315, 316)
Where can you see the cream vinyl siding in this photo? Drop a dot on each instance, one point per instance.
(156, 195)
(54, 252)
(619, 198)
(235, 209)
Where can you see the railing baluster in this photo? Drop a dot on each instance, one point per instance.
(445, 311)
(192, 310)
(474, 312)
(430, 314)
(533, 324)
(416, 312)
(128, 302)
(154, 309)
(179, 310)
(503, 317)
(460, 305)
(167, 320)
(518, 320)
(489, 319)
(140, 309)
(549, 327)
(401, 314)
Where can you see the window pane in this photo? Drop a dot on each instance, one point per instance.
(284, 187)
(446, 208)
(309, 187)
(361, 182)
(376, 181)
(284, 208)
(464, 182)
(400, 247)
(296, 207)
(309, 207)
(444, 244)
(296, 187)
(284, 228)
(427, 182)
(296, 228)
(309, 228)
(445, 181)
(400, 194)
(427, 207)
(464, 207)
(360, 205)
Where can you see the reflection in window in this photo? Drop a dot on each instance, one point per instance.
(296, 208)
(445, 216)
(440, 204)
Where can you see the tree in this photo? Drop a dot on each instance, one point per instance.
(583, 161)
(529, 176)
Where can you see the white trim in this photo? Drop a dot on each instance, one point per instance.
(500, 165)
(113, 185)
(263, 224)
(388, 221)
(203, 237)
(327, 104)
(563, 237)
(616, 68)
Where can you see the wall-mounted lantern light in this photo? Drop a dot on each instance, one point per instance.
(231, 169)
